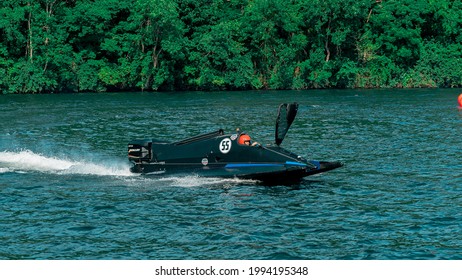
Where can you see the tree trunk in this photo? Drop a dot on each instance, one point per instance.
(326, 45)
(29, 47)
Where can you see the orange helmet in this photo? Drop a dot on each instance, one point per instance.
(244, 139)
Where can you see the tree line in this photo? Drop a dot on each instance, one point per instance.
(151, 45)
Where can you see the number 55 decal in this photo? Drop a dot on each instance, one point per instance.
(225, 145)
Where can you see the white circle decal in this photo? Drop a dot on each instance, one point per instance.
(225, 145)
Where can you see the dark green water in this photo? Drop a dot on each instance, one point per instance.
(66, 193)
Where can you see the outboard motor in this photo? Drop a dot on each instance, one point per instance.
(140, 150)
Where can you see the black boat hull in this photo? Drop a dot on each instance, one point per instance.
(217, 154)
(268, 173)
(268, 164)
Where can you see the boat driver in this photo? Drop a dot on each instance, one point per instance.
(245, 139)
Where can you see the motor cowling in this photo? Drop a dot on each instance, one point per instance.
(139, 151)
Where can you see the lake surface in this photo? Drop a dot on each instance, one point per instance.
(66, 191)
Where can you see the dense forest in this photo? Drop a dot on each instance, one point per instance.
(150, 45)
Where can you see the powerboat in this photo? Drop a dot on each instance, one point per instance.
(234, 155)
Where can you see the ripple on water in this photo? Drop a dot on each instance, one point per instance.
(66, 192)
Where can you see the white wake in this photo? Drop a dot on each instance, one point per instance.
(26, 160)
(198, 181)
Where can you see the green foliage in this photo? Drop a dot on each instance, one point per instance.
(440, 65)
(85, 45)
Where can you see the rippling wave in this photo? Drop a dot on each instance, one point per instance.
(66, 191)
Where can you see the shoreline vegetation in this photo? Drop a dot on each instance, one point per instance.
(51, 46)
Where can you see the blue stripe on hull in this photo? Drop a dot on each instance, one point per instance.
(240, 165)
(294, 163)
(244, 165)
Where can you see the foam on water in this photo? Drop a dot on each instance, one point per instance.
(4, 170)
(196, 181)
(27, 160)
